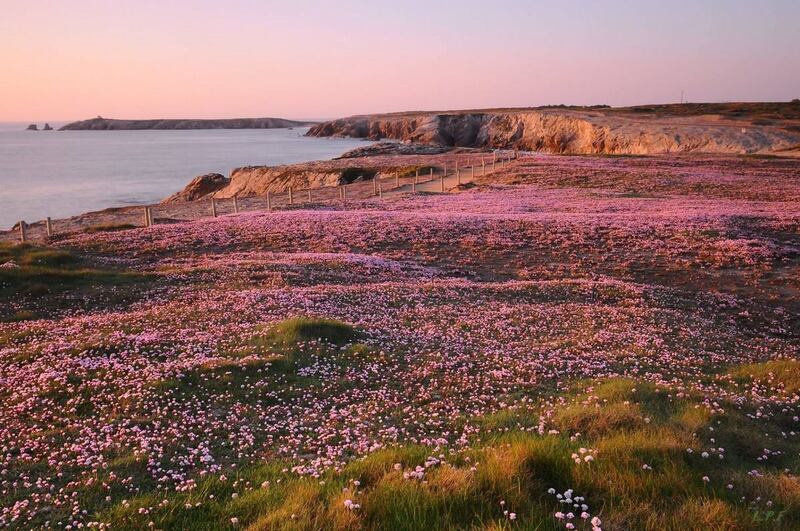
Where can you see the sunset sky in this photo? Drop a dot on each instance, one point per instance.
(64, 60)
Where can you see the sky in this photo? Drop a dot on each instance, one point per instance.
(314, 59)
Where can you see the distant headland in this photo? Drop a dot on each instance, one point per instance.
(109, 124)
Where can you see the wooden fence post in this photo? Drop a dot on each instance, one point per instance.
(441, 182)
(48, 225)
(397, 179)
(414, 187)
(146, 218)
(235, 205)
(483, 167)
(213, 207)
(431, 173)
(291, 199)
(445, 168)
(269, 202)
(458, 176)
(23, 235)
(375, 185)
(309, 195)
(380, 189)
(149, 216)
(472, 171)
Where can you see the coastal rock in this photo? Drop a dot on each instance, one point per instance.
(47, 127)
(252, 181)
(200, 187)
(107, 124)
(709, 128)
(32, 127)
(395, 148)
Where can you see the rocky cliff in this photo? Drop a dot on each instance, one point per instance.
(107, 124)
(586, 131)
(252, 181)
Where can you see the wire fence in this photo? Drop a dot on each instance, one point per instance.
(428, 179)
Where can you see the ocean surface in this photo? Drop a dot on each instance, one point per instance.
(64, 173)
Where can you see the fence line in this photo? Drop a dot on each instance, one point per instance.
(343, 191)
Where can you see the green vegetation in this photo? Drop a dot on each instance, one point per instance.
(292, 337)
(640, 458)
(32, 273)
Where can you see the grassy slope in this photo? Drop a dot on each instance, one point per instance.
(641, 475)
(650, 452)
(33, 281)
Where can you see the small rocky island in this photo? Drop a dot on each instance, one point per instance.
(109, 124)
(35, 127)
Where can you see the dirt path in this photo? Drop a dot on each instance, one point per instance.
(339, 196)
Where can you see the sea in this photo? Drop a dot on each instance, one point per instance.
(64, 173)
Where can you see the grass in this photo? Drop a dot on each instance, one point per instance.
(623, 423)
(784, 373)
(31, 273)
(295, 339)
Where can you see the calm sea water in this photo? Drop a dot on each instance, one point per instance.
(63, 173)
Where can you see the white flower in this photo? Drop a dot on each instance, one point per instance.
(512, 516)
(234, 521)
(596, 522)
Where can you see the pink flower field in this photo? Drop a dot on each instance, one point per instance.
(572, 343)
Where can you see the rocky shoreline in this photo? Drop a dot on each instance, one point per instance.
(108, 124)
(766, 128)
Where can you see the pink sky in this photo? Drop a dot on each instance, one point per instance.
(318, 59)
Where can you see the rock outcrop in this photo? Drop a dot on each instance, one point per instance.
(201, 186)
(252, 181)
(47, 127)
(396, 148)
(32, 127)
(107, 124)
(630, 131)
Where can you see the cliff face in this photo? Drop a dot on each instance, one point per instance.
(201, 186)
(106, 124)
(252, 181)
(573, 132)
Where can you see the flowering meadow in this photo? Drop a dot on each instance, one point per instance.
(572, 343)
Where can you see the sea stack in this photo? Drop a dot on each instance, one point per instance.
(32, 127)
(47, 127)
